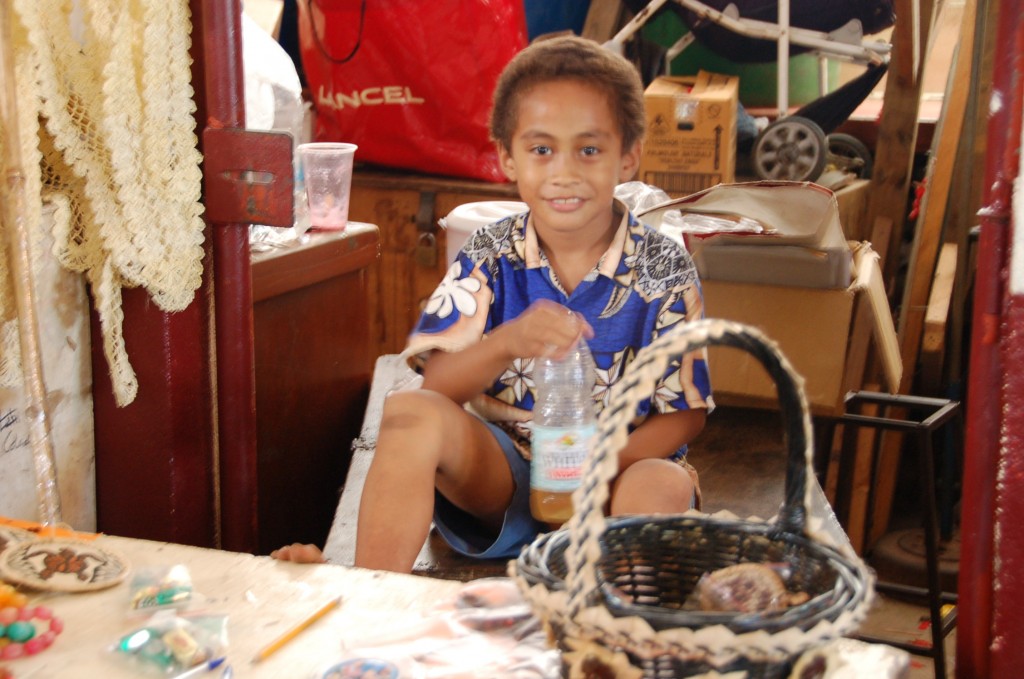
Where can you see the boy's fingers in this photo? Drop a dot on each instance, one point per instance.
(299, 553)
(581, 326)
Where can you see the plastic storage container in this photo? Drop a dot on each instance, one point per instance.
(467, 218)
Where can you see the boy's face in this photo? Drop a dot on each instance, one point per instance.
(566, 157)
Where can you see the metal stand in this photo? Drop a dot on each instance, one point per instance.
(937, 413)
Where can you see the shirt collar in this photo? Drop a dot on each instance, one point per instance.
(609, 262)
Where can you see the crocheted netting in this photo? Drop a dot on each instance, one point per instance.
(105, 109)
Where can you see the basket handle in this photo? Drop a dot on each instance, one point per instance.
(588, 522)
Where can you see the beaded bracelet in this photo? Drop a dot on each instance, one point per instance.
(19, 635)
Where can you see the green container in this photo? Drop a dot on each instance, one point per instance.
(758, 82)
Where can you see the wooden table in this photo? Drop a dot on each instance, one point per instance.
(262, 597)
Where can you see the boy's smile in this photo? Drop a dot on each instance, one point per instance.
(566, 158)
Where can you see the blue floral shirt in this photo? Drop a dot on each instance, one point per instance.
(643, 285)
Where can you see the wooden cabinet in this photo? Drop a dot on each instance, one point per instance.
(407, 207)
(313, 360)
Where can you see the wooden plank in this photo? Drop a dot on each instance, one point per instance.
(859, 355)
(924, 252)
(936, 320)
(897, 129)
(857, 474)
(881, 232)
(860, 482)
(604, 18)
(399, 180)
(928, 236)
(939, 300)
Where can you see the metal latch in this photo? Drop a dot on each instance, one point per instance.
(248, 177)
(425, 254)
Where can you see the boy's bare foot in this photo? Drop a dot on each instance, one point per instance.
(299, 553)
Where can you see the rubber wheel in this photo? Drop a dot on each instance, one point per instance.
(791, 148)
(849, 154)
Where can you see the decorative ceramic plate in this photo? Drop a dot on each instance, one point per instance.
(9, 536)
(361, 667)
(62, 565)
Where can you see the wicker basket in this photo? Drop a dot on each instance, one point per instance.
(616, 591)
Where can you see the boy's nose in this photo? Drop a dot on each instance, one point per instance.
(564, 169)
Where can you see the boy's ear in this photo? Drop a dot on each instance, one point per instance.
(630, 162)
(508, 165)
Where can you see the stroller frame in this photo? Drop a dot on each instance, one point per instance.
(845, 43)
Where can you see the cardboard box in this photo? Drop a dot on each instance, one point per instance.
(691, 132)
(791, 265)
(853, 206)
(824, 333)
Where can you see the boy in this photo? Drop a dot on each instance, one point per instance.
(568, 122)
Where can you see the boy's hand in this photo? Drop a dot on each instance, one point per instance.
(299, 553)
(546, 329)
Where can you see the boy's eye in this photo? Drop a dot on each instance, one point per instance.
(541, 150)
(590, 150)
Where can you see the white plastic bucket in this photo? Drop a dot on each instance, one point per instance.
(468, 217)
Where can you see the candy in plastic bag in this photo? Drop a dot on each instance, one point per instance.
(169, 644)
(159, 588)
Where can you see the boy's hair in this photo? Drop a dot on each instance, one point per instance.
(569, 58)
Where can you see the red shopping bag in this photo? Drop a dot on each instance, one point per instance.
(410, 81)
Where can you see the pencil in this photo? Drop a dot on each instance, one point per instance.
(277, 643)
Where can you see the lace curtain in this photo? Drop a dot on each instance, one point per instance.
(105, 116)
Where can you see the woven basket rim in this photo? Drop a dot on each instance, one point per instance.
(535, 565)
(583, 590)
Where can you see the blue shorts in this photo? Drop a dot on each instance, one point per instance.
(466, 535)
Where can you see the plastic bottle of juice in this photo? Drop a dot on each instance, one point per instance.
(564, 430)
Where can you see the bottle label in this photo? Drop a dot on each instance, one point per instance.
(558, 455)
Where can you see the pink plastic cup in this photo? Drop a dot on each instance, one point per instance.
(327, 173)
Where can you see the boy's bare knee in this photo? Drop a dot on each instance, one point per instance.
(417, 423)
(414, 413)
(420, 407)
(652, 486)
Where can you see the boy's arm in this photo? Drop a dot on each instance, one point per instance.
(544, 328)
(461, 375)
(661, 434)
